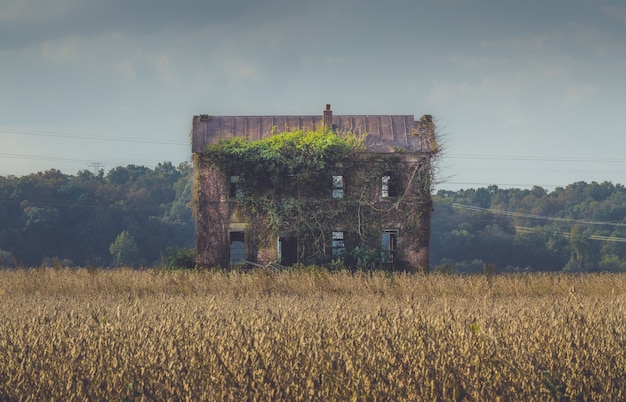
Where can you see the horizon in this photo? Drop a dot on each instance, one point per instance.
(435, 190)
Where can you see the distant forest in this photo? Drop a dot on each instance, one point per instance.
(139, 216)
(578, 228)
(132, 215)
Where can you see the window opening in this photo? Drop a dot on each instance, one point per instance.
(389, 186)
(235, 189)
(287, 250)
(237, 248)
(338, 246)
(338, 186)
(389, 246)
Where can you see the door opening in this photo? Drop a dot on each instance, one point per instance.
(237, 248)
(287, 250)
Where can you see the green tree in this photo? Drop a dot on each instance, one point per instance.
(585, 254)
(124, 249)
(182, 258)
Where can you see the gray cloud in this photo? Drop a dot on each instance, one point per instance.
(24, 24)
(493, 72)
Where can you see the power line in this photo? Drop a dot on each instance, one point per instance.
(608, 238)
(41, 157)
(548, 218)
(535, 158)
(57, 134)
(534, 216)
(496, 184)
(61, 134)
(89, 162)
(616, 239)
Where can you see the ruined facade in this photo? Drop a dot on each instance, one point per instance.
(373, 210)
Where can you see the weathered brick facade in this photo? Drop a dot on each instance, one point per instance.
(386, 205)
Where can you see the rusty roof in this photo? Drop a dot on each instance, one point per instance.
(383, 133)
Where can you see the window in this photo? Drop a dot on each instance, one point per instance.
(338, 186)
(235, 189)
(389, 186)
(338, 247)
(237, 248)
(389, 246)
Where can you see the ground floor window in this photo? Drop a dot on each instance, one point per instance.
(237, 248)
(389, 246)
(338, 246)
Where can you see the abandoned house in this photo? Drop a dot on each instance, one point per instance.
(314, 190)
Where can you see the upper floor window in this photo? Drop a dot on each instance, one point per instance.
(389, 185)
(338, 186)
(235, 188)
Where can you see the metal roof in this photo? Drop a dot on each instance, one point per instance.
(383, 133)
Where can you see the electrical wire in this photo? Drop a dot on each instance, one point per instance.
(143, 140)
(74, 160)
(496, 184)
(57, 134)
(534, 216)
(61, 134)
(536, 158)
(525, 229)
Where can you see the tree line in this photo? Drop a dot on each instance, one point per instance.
(580, 227)
(139, 216)
(131, 215)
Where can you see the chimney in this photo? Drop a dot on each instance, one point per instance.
(328, 117)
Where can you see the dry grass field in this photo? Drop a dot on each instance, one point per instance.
(78, 334)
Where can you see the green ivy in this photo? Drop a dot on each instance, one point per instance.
(285, 185)
(285, 163)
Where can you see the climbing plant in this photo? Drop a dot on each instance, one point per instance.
(284, 185)
(278, 163)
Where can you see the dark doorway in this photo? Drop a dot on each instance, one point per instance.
(237, 248)
(287, 251)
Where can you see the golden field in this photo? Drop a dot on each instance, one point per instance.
(78, 334)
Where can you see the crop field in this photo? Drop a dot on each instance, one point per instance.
(79, 334)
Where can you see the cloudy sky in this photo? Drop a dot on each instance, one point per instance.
(524, 92)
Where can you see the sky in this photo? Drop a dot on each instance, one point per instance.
(524, 93)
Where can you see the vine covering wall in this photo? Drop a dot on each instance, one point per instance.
(283, 186)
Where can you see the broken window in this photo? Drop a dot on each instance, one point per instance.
(389, 246)
(237, 248)
(235, 189)
(338, 186)
(389, 185)
(338, 246)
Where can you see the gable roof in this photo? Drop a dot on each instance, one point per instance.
(383, 133)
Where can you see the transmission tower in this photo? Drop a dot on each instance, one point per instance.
(96, 167)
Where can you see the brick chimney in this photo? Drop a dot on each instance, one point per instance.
(328, 117)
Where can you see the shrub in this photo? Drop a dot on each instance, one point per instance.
(6, 259)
